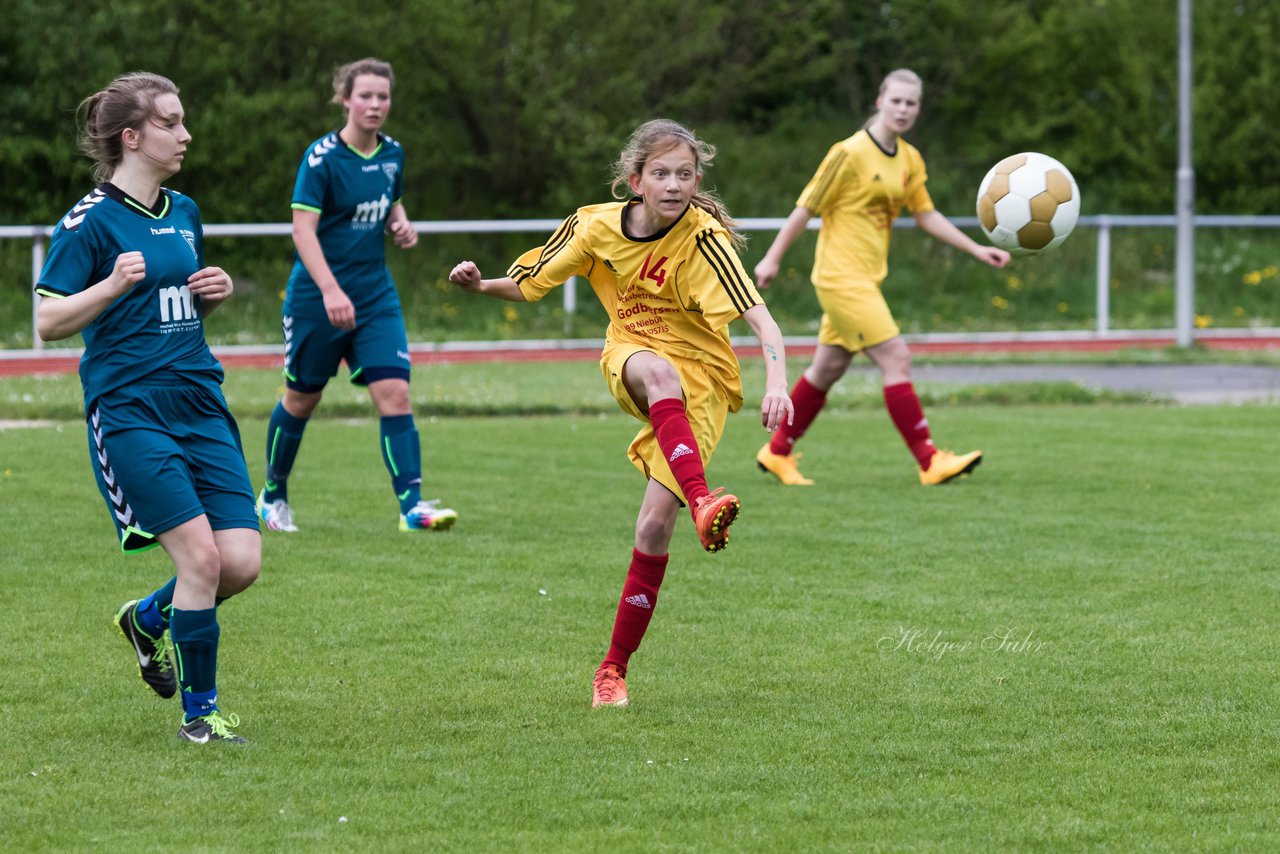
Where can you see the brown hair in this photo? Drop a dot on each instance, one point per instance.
(126, 102)
(344, 79)
(660, 135)
(898, 75)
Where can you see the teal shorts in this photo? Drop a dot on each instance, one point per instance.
(377, 348)
(165, 454)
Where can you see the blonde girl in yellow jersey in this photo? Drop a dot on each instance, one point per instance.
(862, 184)
(663, 265)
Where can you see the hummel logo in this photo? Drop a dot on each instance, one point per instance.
(640, 601)
(681, 450)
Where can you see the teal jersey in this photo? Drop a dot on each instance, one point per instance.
(153, 334)
(353, 194)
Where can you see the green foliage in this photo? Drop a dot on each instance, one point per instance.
(516, 107)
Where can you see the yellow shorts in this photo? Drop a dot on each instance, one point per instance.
(705, 403)
(855, 316)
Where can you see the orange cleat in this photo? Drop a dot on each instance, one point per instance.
(608, 688)
(713, 514)
(782, 466)
(947, 466)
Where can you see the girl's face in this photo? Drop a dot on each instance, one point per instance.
(163, 138)
(369, 102)
(667, 182)
(899, 106)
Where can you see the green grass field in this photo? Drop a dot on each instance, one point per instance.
(1074, 649)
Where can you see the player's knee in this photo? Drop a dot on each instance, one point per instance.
(301, 404)
(203, 564)
(241, 566)
(653, 532)
(663, 381)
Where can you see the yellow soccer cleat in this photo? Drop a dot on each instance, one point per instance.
(947, 466)
(783, 467)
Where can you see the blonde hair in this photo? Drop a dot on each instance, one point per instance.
(125, 103)
(344, 79)
(898, 75)
(659, 135)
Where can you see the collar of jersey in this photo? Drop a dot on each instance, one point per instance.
(877, 144)
(357, 152)
(158, 211)
(657, 235)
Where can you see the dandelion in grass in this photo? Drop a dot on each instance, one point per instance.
(1204, 321)
(1000, 302)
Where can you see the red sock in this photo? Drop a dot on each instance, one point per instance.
(675, 438)
(808, 402)
(908, 417)
(639, 598)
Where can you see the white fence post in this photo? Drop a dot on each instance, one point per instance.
(37, 264)
(1103, 285)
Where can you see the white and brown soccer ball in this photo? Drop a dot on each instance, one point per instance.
(1028, 203)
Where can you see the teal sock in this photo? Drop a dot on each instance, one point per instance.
(152, 613)
(195, 644)
(284, 437)
(402, 454)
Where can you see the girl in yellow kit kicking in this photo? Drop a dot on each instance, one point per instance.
(662, 263)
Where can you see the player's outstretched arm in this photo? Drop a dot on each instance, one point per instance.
(937, 226)
(467, 276)
(767, 270)
(61, 318)
(775, 406)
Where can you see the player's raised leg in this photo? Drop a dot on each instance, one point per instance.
(654, 382)
(145, 624)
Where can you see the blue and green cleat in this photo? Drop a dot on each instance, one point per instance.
(213, 727)
(155, 661)
(428, 516)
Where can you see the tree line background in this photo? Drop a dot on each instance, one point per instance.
(516, 108)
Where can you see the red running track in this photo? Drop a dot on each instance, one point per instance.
(33, 364)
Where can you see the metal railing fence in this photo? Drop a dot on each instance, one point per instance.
(1105, 223)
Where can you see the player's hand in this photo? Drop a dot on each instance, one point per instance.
(404, 234)
(212, 284)
(992, 255)
(776, 409)
(466, 276)
(130, 269)
(766, 271)
(338, 306)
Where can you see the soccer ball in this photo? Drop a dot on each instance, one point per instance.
(1028, 203)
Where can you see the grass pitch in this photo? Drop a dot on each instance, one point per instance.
(1072, 649)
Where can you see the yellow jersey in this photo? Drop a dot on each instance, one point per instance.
(858, 191)
(674, 292)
